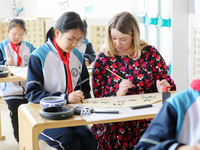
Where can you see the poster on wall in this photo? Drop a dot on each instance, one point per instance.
(63, 5)
(194, 40)
(195, 53)
(17, 8)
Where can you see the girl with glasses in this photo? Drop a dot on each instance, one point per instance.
(15, 51)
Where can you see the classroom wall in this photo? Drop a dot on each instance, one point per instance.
(5, 11)
(194, 40)
(102, 11)
(180, 43)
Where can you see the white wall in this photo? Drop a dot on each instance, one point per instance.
(52, 9)
(5, 9)
(179, 43)
(104, 10)
(30, 8)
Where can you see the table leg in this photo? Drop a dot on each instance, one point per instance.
(1, 137)
(28, 135)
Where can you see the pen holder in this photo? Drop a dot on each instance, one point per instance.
(166, 94)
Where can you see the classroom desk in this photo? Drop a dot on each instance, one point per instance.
(9, 78)
(21, 76)
(31, 124)
(12, 78)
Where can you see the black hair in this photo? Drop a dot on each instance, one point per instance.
(17, 22)
(69, 20)
(85, 24)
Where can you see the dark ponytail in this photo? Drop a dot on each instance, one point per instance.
(50, 34)
(69, 20)
(85, 24)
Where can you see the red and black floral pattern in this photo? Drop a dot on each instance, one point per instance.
(143, 73)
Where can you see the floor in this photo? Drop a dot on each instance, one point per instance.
(9, 143)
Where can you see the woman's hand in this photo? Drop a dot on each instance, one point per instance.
(161, 85)
(10, 61)
(75, 97)
(189, 147)
(123, 87)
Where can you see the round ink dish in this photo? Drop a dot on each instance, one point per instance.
(56, 113)
(3, 67)
(3, 71)
(52, 101)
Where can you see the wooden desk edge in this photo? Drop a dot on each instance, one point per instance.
(24, 114)
(82, 122)
(12, 78)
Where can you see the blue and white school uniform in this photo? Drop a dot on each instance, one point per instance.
(14, 92)
(47, 76)
(177, 122)
(87, 49)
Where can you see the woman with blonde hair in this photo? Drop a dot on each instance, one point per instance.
(143, 71)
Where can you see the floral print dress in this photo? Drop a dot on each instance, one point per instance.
(143, 73)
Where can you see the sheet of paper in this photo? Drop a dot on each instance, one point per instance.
(123, 101)
(123, 113)
(18, 71)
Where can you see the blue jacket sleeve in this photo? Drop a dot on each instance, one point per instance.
(161, 134)
(89, 53)
(2, 61)
(35, 81)
(85, 86)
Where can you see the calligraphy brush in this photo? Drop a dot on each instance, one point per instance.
(80, 80)
(115, 74)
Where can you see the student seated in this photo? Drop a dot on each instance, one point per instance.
(177, 125)
(53, 70)
(15, 51)
(86, 48)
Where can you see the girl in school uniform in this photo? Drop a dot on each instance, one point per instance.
(53, 70)
(87, 49)
(15, 51)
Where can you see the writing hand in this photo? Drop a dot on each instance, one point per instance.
(75, 97)
(123, 87)
(161, 85)
(10, 61)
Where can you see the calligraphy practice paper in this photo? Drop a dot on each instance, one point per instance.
(18, 71)
(123, 101)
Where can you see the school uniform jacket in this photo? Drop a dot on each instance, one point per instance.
(47, 74)
(87, 49)
(177, 122)
(14, 90)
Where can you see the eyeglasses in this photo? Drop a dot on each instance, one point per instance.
(17, 36)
